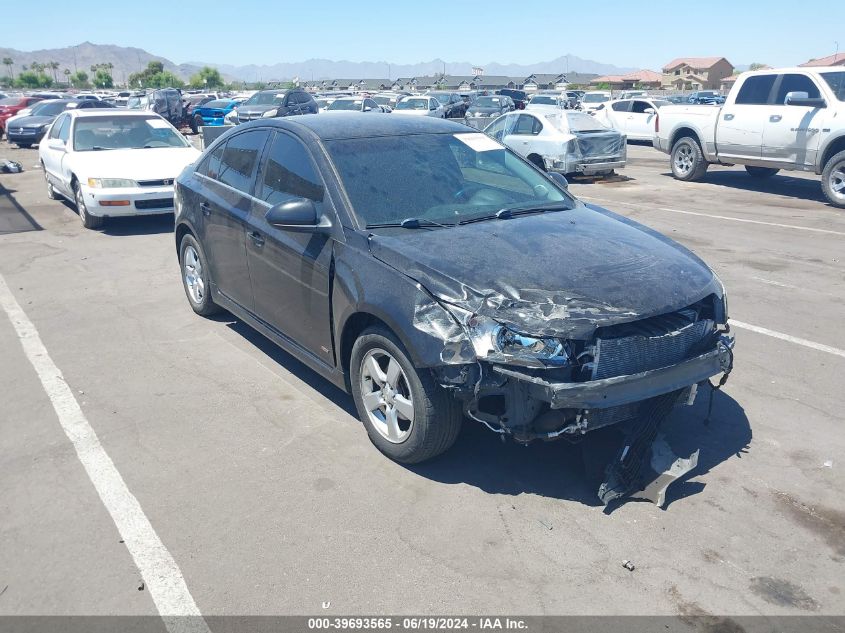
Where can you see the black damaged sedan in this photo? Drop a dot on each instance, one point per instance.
(438, 276)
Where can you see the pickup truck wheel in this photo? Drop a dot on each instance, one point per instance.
(833, 180)
(51, 193)
(88, 221)
(408, 416)
(687, 160)
(761, 172)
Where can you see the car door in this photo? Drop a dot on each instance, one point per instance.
(616, 115)
(739, 130)
(792, 132)
(520, 131)
(639, 123)
(226, 202)
(51, 153)
(290, 270)
(370, 106)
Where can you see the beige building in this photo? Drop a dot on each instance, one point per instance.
(641, 79)
(696, 73)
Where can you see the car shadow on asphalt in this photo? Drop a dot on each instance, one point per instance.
(13, 217)
(787, 186)
(139, 225)
(573, 472)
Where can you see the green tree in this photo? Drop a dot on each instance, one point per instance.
(154, 76)
(54, 66)
(31, 79)
(9, 63)
(79, 79)
(165, 79)
(757, 66)
(207, 77)
(102, 79)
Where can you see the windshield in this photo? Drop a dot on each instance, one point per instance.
(443, 178)
(265, 98)
(835, 80)
(10, 101)
(219, 104)
(488, 102)
(540, 100)
(595, 98)
(412, 104)
(124, 132)
(138, 103)
(49, 108)
(383, 100)
(346, 104)
(576, 122)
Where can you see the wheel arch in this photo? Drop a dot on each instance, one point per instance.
(353, 326)
(680, 133)
(183, 229)
(833, 147)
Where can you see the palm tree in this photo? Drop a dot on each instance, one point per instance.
(54, 66)
(8, 62)
(66, 73)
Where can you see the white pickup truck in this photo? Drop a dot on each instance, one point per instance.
(791, 118)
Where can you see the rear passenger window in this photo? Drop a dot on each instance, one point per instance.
(211, 165)
(621, 106)
(237, 166)
(755, 90)
(796, 83)
(288, 173)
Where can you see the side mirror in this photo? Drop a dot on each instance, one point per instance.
(298, 215)
(649, 111)
(559, 179)
(56, 143)
(801, 98)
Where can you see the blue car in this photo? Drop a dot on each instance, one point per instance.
(213, 112)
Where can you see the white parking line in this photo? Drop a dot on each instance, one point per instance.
(788, 337)
(716, 217)
(162, 577)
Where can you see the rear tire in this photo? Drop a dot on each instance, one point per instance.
(687, 160)
(761, 172)
(833, 180)
(193, 266)
(196, 124)
(24, 145)
(385, 382)
(88, 221)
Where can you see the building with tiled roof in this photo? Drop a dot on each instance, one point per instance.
(837, 59)
(696, 73)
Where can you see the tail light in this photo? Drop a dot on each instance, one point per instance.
(656, 123)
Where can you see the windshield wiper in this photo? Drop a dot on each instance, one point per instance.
(409, 223)
(100, 148)
(511, 212)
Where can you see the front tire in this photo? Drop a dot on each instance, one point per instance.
(24, 145)
(833, 180)
(196, 124)
(761, 172)
(195, 280)
(88, 221)
(51, 192)
(687, 160)
(408, 416)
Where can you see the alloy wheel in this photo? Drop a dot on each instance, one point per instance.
(192, 270)
(836, 180)
(386, 395)
(684, 160)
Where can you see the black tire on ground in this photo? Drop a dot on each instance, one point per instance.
(88, 221)
(196, 124)
(761, 172)
(833, 180)
(437, 415)
(24, 145)
(687, 160)
(537, 160)
(51, 193)
(202, 304)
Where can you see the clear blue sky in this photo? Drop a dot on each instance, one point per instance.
(636, 33)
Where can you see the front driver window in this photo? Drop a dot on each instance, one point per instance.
(288, 173)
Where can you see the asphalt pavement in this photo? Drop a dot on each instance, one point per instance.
(260, 486)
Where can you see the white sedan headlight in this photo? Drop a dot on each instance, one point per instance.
(232, 117)
(111, 183)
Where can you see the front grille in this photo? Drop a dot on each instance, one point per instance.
(156, 183)
(155, 203)
(248, 117)
(650, 344)
(22, 130)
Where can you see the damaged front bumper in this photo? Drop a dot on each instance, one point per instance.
(620, 390)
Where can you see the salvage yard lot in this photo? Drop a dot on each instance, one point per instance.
(261, 483)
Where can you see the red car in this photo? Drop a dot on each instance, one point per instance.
(10, 106)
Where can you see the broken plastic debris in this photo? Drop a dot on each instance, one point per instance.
(628, 565)
(141, 586)
(828, 464)
(668, 468)
(10, 167)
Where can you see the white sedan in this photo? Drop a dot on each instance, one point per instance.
(565, 142)
(113, 162)
(547, 103)
(421, 106)
(632, 117)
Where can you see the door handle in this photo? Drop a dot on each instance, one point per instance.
(775, 118)
(729, 117)
(256, 238)
(205, 208)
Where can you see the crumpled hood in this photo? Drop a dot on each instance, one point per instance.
(558, 273)
(135, 164)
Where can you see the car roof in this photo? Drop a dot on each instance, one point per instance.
(111, 112)
(343, 125)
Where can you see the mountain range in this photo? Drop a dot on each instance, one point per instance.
(128, 60)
